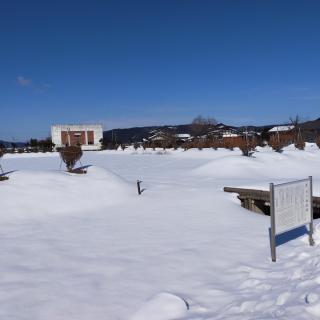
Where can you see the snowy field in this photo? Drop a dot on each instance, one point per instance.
(88, 247)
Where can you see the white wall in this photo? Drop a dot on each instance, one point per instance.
(96, 128)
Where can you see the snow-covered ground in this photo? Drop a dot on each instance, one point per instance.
(88, 247)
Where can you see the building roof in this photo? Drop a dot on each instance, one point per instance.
(223, 130)
(159, 135)
(76, 126)
(281, 128)
(183, 135)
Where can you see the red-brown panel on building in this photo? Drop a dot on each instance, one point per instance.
(90, 137)
(76, 138)
(64, 137)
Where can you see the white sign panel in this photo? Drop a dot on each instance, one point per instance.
(292, 205)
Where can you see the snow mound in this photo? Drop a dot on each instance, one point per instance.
(263, 164)
(164, 306)
(42, 192)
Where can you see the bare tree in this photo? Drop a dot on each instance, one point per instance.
(299, 140)
(201, 125)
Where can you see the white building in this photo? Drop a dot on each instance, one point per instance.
(87, 136)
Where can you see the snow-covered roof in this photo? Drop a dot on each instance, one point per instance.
(224, 130)
(281, 128)
(183, 135)
(158, 135)
(230, 135)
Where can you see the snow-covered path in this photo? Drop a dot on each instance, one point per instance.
(87, 247)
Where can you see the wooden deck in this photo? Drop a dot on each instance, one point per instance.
(259, 200)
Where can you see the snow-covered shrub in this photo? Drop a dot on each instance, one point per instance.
(247, 146)
(318, 141)
(280, 140)
(215, 144)
(231, 143)
(2, 177)
(70, 155)
(300, 143)
(276, 144)
(227, 144)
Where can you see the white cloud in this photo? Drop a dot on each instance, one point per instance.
(28, 83)
(24, 82)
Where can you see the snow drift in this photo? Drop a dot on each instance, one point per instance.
(32, 192)
(88, 247)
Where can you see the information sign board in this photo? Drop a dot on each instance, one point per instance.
(291, 207)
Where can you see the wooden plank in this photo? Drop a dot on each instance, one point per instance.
(249, 193)
(261, 195)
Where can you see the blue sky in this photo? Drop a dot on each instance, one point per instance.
(135, 63)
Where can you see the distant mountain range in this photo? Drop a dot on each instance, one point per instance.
(310, 129)
(129, 135)
(311, 125)
(140, 133)
(8, 144)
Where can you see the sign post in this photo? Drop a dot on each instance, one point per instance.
(311, 241)
(291, 206)
(273, 226)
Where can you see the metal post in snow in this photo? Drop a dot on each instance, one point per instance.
(273, 224)
(138, 187)
(311, 241)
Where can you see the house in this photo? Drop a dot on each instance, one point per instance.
(222, 131)
(158, 136)
(85, 135)
(167, 138)
(250, 133)
(183, 137)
